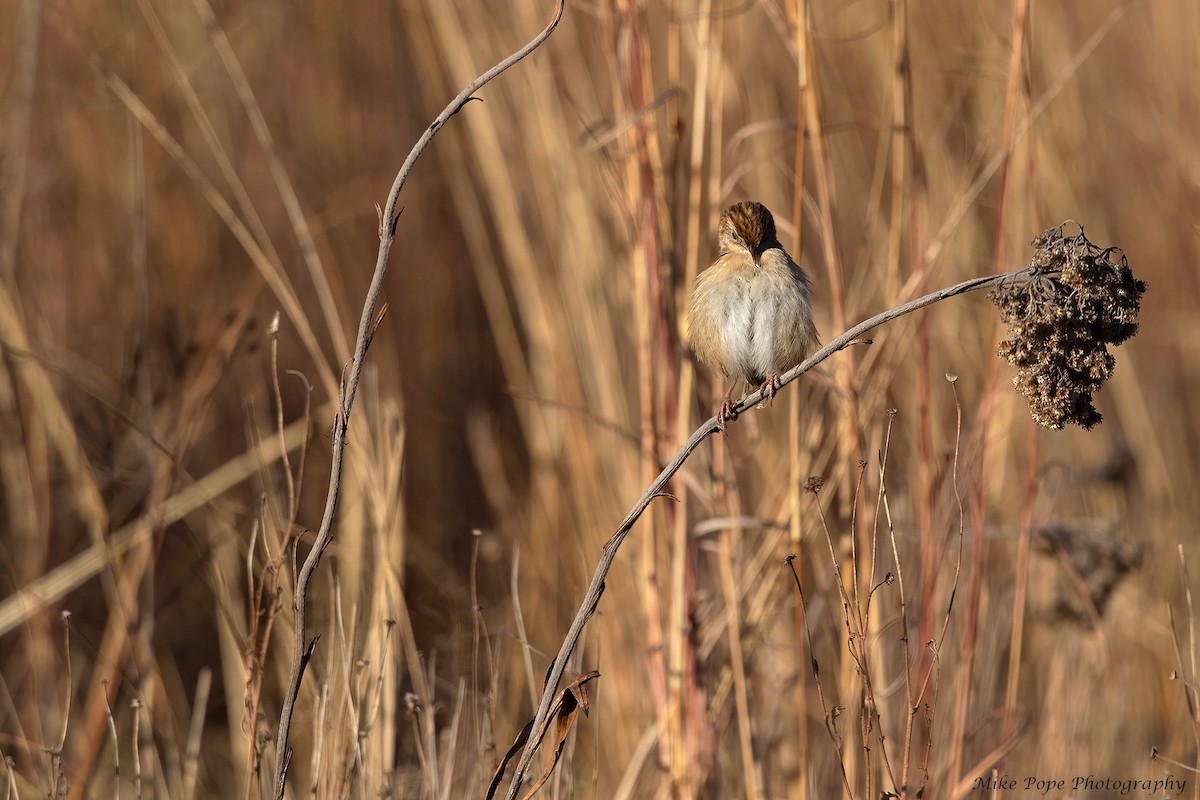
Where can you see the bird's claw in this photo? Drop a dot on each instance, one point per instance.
(770, 386)
(726, 414)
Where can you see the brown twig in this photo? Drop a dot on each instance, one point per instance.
(301, 649)
(608, 554)
(826, 714)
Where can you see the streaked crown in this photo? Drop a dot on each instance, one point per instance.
(746, 226)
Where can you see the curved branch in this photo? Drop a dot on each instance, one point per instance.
(592, 598)
(301, 650)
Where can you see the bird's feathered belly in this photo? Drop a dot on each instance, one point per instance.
(753, 316)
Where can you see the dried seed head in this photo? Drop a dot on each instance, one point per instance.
(1062, 313)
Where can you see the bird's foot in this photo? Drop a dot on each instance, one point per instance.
(726, 413)
(769, 387)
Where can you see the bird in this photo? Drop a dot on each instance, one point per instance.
(750, 316)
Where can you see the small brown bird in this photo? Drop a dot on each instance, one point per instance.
(750, 317)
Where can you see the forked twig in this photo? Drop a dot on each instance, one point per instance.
(302, 649)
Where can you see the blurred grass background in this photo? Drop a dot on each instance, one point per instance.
(174, 174)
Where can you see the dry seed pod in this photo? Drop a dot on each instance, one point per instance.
(1061, 315)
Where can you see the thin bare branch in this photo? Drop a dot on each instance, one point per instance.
(301, 649)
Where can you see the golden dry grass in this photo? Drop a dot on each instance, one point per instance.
(168, 185)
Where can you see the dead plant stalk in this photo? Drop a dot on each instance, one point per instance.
(301, 648)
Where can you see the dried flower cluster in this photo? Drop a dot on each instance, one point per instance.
(1062, 312)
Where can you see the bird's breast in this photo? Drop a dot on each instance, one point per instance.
(751, 320)
(752, 325)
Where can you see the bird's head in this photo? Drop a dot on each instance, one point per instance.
(747, 227)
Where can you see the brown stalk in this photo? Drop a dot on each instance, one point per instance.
(966, 200)
(191, 764)
(826, 714)
(647, 299)
(208, 131)
(814, 126)
(726, 501)
(283, 183)
(962, 704)
(18, 116)
(679, 651)
(927, 683)
(901, 136)
(1020, 592)
(798, 12)
(733, 628)
(905, 635)
(116, 741)
(1186, 671)
(795, 536)
(301, 648)
(881, 503)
